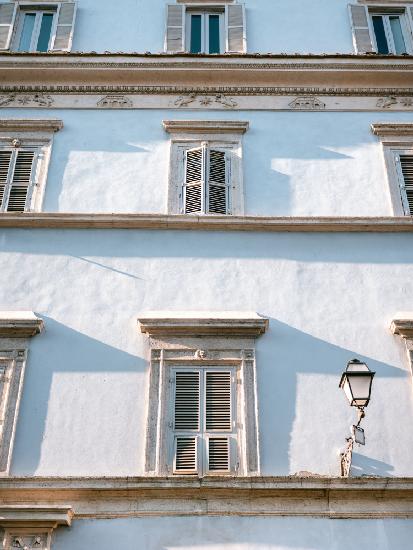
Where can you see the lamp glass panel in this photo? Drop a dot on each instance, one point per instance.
(347, 391)
(360, 388)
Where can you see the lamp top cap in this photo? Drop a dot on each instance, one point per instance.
(356, 365)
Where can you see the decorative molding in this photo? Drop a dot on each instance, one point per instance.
(30, 125)
(205, 126)
(115, 102)
(21, 324)
(205, 101)
(307, 103)
(309, 496)
(32, 515)
(393, 129)
(403, 325)
(389, 101)
(206, 323)
(46, 220)
(26, 100)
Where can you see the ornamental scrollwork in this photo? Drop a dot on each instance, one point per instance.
(31, 542)
(206, 101)
(115, 102)
(387, 102)
(309, 103)
(26, 100)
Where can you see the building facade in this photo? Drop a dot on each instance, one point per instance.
(196, 236)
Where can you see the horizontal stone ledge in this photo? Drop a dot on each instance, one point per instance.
(23, 515)
(45, 220)
(123, 497)
(20, 324)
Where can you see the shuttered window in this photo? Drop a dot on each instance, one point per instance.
(16, 179)
(404, 163)
(206, 187)
(205, 30)
(204, 437)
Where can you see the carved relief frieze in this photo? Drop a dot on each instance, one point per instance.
(30, 542)
(195, 100)
(389, 101)
(26, 100)
(115, 102)
(307, 103)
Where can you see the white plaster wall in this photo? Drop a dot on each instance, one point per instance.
(256, 533)
(329, 297)
(273, 26)
(295, 164)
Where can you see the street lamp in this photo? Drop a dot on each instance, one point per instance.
(356, 382)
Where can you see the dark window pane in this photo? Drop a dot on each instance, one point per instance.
(27, 31)
(214, 34)
(381, 39)
(45, 31)
(196, 34)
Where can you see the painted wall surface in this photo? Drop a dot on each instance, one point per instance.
(320, 26)
(294, 164)
(329, 297)
(248, 533)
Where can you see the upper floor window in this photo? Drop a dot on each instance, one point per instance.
(206, 167)
(210, 28)
(32, 27)
(25, 147)
(397, 141)
(382, 29)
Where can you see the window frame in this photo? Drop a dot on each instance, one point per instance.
(31, 135)
(405, 27)
(220, 135)
(25, 9)
(205, 13)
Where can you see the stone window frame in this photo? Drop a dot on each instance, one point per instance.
(402, 325)
(188, 134)
(394, 137)
(199, 340)
(16, 329)
(35, 134)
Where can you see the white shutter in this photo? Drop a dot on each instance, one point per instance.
(218, 401)
(359, 20)
(21, 182)
(218, 454)
(7, 18)
(193, 196)
(218, 182)
(406, 182)
(235, 23)
(409, 10)
(5, 160)
(186, 419)
(175, 28)
(66, 16)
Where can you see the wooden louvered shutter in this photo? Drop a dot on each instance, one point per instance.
(405, 167)
(175, 28)
(235, 23)
(218, 182)
(21, 182)
(5, 159)
(193, 196)
(218, 418)
(7, 18)
(359, 20)
(186, 419)
(66, 17)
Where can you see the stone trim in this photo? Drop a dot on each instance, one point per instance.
(126, 497)
(194, 324)
(47, 220)
(205, 126)
(30, 125)
(403, 326)
(22, 324)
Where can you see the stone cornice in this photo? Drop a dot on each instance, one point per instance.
(233, 72)
(45, 220)
(21, 324)
(192, 324)
(30, 125)
(185, 496)
(393, 129)
(205, 126)
(32, 515)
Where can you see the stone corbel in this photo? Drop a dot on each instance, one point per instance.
(402, 325)
(31, 527)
